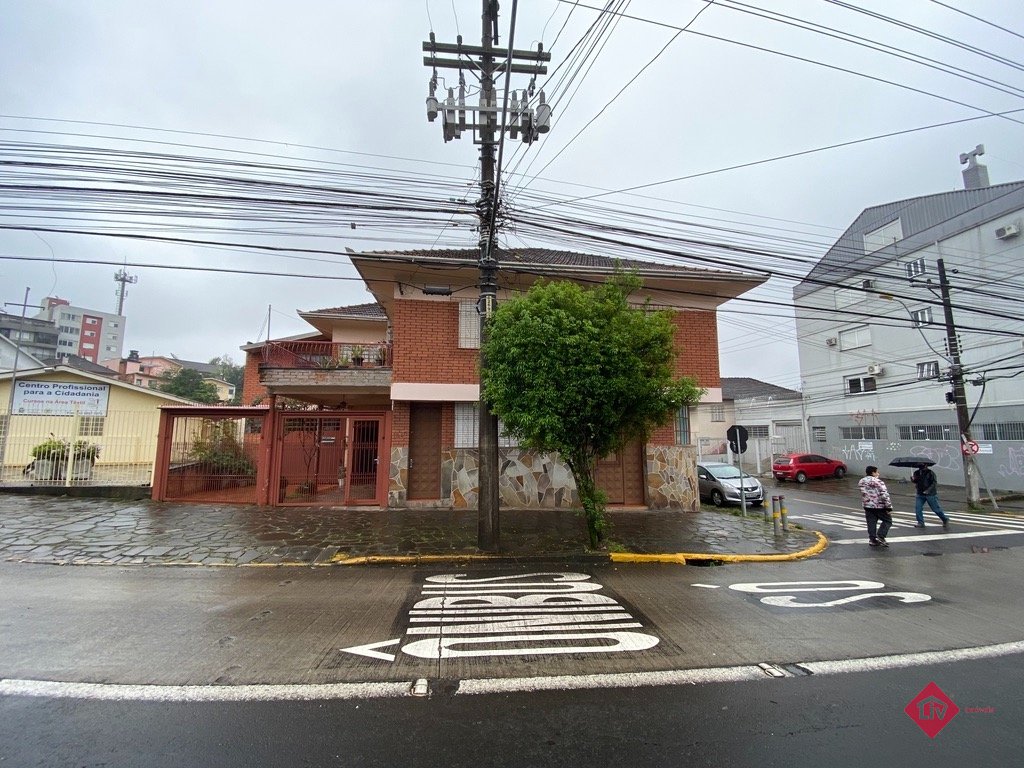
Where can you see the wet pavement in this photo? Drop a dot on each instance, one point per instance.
(89, 531)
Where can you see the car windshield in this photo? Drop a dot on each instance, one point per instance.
(725, 472)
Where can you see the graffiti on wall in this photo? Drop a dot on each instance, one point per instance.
(865, 417)
(856, 453)
(945, 457)
(1014, 467)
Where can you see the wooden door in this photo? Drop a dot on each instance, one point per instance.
(425, 451)
(621, 475)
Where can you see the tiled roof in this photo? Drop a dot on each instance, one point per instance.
(81, 363)
(545, 257)
(371, 311)
(743, 388)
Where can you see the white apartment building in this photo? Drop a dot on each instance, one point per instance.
(88, 333)
(872, 334)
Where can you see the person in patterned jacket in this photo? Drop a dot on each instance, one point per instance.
(877, 506)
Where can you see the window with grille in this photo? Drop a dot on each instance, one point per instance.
(683, 426)
(91, 426)
(862, 433)
(469, 325)
(929, 370)
(467, 428)
(757, 430)
(718, 413)
(929, 432)
(1011, 430)
(818, 433)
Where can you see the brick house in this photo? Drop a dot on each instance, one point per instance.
(393, 384)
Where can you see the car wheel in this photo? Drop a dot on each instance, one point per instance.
(801, 477)
(839, 472)
(717, 498)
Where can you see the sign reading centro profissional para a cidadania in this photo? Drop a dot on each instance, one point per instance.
(61, 398)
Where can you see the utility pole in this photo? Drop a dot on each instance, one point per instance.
(531, 122)
(959, 396)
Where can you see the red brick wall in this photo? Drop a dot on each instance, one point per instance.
(447, 425)
(251, 387)
(696, 340)
(426, 344)
(400, 424)
(697, 346)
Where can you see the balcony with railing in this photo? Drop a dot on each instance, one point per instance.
(297, 366)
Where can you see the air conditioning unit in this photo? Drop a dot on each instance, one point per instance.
(1010, 230)
(875, 369)
(831, 341)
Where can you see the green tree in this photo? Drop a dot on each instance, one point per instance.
(189, 384)
(231, 373)
(581, 372)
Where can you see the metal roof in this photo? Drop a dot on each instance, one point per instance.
(939, 215)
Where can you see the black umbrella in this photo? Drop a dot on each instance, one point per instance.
(911, 461)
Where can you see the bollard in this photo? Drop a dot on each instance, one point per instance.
(782, 513)
(775, 516)
(769, 512)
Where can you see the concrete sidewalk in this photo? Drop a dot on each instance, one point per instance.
(87, 531)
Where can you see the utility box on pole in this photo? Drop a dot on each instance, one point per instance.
(486, 120)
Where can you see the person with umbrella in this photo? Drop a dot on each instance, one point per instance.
(927, 486)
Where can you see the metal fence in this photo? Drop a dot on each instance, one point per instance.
(757, 459)
(118, 449)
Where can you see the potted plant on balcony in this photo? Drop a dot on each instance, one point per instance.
(49, 459)
(357, 356)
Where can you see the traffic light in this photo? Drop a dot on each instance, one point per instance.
(951, 398)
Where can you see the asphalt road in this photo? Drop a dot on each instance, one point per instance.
(527, 665)
(848, 720)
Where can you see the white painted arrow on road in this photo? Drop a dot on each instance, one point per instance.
(367, 650)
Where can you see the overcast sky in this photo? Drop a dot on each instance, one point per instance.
(341, 85)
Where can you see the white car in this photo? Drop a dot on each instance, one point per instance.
(721, 484)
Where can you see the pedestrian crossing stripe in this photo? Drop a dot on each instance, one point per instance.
(855, 521)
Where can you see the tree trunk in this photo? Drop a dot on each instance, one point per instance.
(592, 499)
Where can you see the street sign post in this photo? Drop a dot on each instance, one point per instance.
(737, 437)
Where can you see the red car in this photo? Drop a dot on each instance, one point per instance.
(801, 466)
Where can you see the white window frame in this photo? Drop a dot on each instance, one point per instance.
(928, 370)
(922, 317)
(883, 237)
(467, 428)
(864, 388)
(469, 325)
(718, 412)
(818, 434)
(854, 338)
(916, 268)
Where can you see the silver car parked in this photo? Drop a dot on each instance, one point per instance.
(721, 484)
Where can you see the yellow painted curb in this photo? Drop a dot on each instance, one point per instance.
(410, 559)
(681, 558)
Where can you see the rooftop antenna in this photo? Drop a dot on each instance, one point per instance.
(122, 277)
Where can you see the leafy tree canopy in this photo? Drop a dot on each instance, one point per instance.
(231, 373)
(581, 372)
(189, 384)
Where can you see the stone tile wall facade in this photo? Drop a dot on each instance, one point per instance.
(539, 481)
